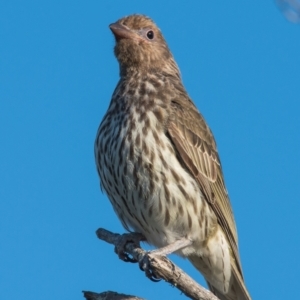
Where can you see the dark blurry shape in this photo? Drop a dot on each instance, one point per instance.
(290, 9)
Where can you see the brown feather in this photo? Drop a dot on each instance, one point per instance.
(197, 148)
(158, 162)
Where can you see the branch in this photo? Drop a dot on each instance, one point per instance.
(161, 267)
(109, 296)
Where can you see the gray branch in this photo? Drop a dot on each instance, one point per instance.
(160, 266)
(108, 296)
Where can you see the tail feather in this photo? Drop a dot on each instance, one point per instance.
(238, 284)
(237, 289)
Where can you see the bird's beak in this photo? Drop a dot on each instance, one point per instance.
(121, 32)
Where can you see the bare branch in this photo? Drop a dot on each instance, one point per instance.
(109, 296)
(161, 267)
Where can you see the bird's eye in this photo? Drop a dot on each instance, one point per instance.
(150, 35)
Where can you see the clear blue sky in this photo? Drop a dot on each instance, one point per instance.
(240, 64)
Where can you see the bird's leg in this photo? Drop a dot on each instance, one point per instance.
(133, 237)
(177, 245)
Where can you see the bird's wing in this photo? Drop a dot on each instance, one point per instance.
(197, 149)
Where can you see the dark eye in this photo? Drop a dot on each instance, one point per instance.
(150, 34)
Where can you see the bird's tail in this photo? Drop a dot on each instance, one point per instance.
(237, 290)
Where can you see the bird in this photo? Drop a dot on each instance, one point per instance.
(158, 162)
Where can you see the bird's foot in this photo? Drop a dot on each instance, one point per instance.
(145, 266)
(124, 239)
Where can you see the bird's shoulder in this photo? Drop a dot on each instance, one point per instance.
(190, 123)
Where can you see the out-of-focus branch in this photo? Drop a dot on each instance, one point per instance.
(290, 9)
(160, 266)
(109, 296)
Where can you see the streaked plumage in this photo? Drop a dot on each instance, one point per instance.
(158, 162)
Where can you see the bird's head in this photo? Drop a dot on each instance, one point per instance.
(140, 46)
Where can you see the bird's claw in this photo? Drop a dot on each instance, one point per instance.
(145, 266)
(124, 239)
(125, 257)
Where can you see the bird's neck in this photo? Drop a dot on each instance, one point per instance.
(126, 73)
(167, 68)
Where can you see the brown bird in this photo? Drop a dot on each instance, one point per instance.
(158, 162)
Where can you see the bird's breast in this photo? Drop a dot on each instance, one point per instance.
(150, 190)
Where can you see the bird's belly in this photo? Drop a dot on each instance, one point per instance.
(152, 193)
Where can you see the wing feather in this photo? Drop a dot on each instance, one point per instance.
(197, 149)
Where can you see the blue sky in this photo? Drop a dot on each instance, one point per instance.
(240, 64)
